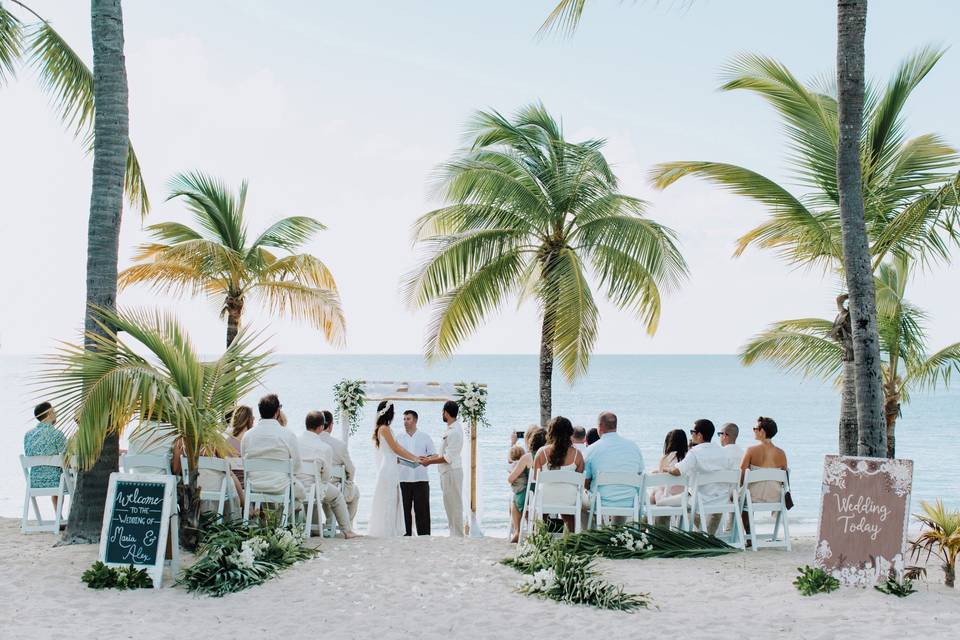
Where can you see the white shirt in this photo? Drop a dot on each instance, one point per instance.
(419, 444)
(267, 439)
(581, 447)
(312, 449)
(735, 453)
(707, 457)
(452, 447)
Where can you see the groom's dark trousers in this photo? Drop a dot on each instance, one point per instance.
(416, 496)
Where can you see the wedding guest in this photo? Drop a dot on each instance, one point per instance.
(314, 452)
(239, 421)
(535, 438)
(612, 453)
(270, 440)
(674, 450)
(704, 456)
(559, 454)
(415, 483)
(580, 439)
(450, 463)
(44, 440)
(593, 436)
(341, 457)
(728, 440)
(764, 455)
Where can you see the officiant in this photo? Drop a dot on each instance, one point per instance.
(415, 483)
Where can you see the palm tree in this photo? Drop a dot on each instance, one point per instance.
(807, 345)
(168, 391)
(214, 259)
(941, 536)
(911, 194)
(68, 80)
(531, 214)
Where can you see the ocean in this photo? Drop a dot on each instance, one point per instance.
(649, 394)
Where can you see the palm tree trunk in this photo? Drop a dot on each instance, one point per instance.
(546, 369)
(949, 574)
(842, 335)
(851, 30)
(891, 410)
(110, 140)
(234, 308)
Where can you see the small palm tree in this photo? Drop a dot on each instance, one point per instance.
(532, 214)
(68, 80)
(941, 536)
(215, 259)
(807, 345)
(168, 391)
(911, 187)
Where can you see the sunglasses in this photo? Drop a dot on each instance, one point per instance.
(756, 429)
(693, 432)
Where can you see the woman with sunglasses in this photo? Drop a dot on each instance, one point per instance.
(764, 455)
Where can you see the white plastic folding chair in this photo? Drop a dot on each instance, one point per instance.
(563, 482)
(254, 499)
(778, 508)
(314, 500)
(220, 466)
(629, 481)
(338, 476)
(728, 504)
(145, 463)
(31, 494)
(526, 517)
(680, 511)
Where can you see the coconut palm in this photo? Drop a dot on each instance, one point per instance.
(66, 78)
(534, 215)
(144, 370)
(910, 184)
(807, 345)
(215, 259)
(940, 536)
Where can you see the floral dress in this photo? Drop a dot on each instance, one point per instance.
(44, 440)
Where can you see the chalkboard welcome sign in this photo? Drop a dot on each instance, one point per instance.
(864, 513)
(136, 521)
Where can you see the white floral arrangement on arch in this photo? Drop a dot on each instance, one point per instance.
(348, 397)
(472, 398)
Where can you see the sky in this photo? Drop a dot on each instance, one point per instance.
(343, 110)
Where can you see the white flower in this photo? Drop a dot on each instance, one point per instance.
(540, 582)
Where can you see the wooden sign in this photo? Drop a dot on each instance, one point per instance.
(864, 512)
(136, 522)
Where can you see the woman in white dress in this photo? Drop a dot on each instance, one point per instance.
(386, 512)
(559, 454)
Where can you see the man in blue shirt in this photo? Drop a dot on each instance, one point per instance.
(612, 453)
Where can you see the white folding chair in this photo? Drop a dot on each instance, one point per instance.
(728, 504)
(219, 466)
(338, 476)
(314, 499)
(31, 494)
(254, 499)
(145, 463)
(680, 511)
(630, 481)
(563, 482)
(778, 508)
(526, 519)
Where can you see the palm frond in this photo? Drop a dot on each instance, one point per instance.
(319, 306)
(11, 44)
(288, 233)
(569, 309)
(213, 206)
(802, 345)
(564, 18)
(936, 369)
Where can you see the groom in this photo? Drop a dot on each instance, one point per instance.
(451, 468)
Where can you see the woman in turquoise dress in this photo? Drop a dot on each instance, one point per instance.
(44, 440)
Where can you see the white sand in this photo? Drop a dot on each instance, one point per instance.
(442, 588)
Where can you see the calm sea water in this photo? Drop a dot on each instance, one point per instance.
(650, 394)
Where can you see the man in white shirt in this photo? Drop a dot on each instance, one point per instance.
(341, 457)
(415, 483)
(317, 455)
(580, 440)
(728, 440)
(705, 456)
(451, 468)
(269, 440)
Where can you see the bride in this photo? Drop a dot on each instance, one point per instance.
(386, 512)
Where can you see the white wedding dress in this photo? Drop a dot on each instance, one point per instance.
(386, 512)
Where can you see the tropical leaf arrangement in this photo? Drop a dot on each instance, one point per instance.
(636, 540)
(814, 580)
(939, 537)
(348, 397)
(553, 573)
(100, 576)
(894, 587)
(472, 398)
(233, 556)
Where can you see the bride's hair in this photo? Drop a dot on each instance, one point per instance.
(384, 417)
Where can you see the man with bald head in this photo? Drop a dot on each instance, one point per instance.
(612, 453)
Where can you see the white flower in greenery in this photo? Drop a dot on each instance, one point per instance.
(540, 582)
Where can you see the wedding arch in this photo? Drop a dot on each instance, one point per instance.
(350, 396)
